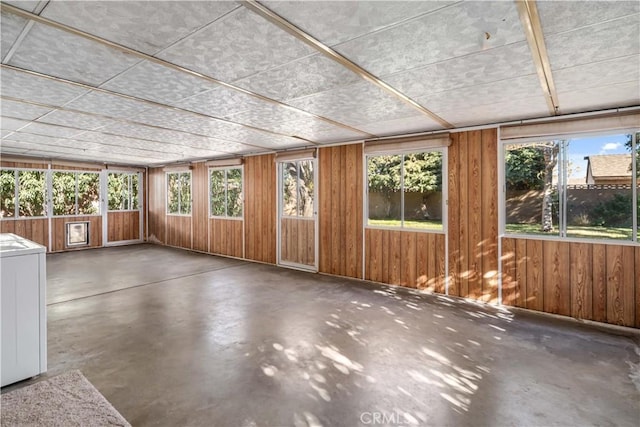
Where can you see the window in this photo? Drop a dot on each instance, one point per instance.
(298, 189)
(582, 187)
(179, 193)
(225, 192)
(405, 190)
(122, 191)
(28, 188)
(76, 193)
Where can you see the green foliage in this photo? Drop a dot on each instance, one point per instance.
(179, 193)
(122, 191)
(31, 196)
(218, 198)
(423, 172)
(7, 193)
(524, 168)
(383, 173)
(234, 193)
(615, 212)
(76, 193)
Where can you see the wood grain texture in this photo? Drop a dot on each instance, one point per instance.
(340, 198)
(489, 215)
(24, 165)
(200, 208)
(36, 230)
(58, 232)
(157, 206)
(475, 215)
(178, 231)
(581, 280)
(123, 225)
(260, 208)
(454, 212)
(535, 276)
(620, 291)
(509, 272)
(226, 237)
(297, 241)
(556, 287)
(599, 280)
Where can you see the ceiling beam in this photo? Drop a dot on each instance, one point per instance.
(530, 20)
(316, 44)
(4, 7)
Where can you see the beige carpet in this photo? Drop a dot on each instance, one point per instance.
(66, 400)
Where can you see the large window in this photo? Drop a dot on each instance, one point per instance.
(22, 193)
(122, 191)
(583, 187)
(225, 192)
(298, 189)
(405, 190)
(179, 193)
(75, 193)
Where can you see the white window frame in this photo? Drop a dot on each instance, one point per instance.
(129, 174)
(166, 187)
(16, 199)
(635, 241)
(75, 172)
(445, 190)
(226, 188)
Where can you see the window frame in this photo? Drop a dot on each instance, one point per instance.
(166, 187)
(562, 237)
(129, 174)
(16, 193)
(445, 189)
(75, 172)
(226, 169)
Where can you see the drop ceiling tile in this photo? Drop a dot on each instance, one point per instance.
(141, 25)
(21, 110)
(516, 109)
(261, 139)
(33, 139)
(61, 54)
(624, 94)
(219, 102)
(240, 44)
(559, 16)
(595, 43)
(51, 130)
(182, 121)
(334, 22)
(12, 148)
(450, 32)
(7, 123)
(335, 136)
(355, 104)
(494, 92)
(108, 105)
(28, 5)
(76, 120)
(306, 76)
(27, 87)
(158, 83)
(501, 63)
(315, 130)
(598, 74)
(10, 28)
(417, 123)
(267, 116)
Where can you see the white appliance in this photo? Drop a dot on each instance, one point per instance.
(24, 311)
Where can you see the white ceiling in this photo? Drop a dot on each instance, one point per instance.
(154, 82)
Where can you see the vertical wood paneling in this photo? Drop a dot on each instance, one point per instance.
(581, 280)
(340, 214)
(509, 272)
(521, 273)
(637, 282)
(225, 237)
(58, 232)
(408, 260)
(123, 225)
(535, 276)
(489, 215)
(200, 208)
(36, 230)
(260, 224)
(599, 283)
(157, 206)
(453, 219)
(463, 208)
(620, 293)
(475, 214)
(557, 290)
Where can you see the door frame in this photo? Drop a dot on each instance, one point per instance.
(104, 189)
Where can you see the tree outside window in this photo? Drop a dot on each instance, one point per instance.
(225, 195)
(179, 193)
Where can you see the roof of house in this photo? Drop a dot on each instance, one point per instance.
(610, 165)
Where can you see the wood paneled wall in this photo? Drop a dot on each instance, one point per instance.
(225, 237)
(473, 215)
(36, 230)
(340, 210)
(260, 208)
(178, 231)
(297, 241)
(157, 206)
(123, 226)
(583, 280)
(200, 208)
(58, 232)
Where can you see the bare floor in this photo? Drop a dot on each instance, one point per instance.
(173, 338)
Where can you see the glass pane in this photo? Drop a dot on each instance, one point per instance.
(531, 178)
(173, 195)
(305, 188)
(383, 181)
(234, 193)
(32, 191)
(289, 189)
(423, 191)
(185, 193)
(117, 187)
(64, 193)
(637, 153)
(217, 193)
(7, 193)
(599, 187)
(134, 191)
(88, 193)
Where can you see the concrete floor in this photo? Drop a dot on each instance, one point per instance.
(178, 338)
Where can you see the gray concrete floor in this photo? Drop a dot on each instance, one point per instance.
(172, 338)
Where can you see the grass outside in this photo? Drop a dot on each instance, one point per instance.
(422, 225)
(588, 232)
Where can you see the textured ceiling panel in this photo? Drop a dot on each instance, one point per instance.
(240, 44)
(220, 102)
(558, 16)
(399, 126)
(598, 98)
(37, 89)
(268, 115)
(21, 110)
(28, 5)
(7, 123)
(158, 83)
(183, 121)
(501, 63)
(10, 28)
(335, 136)
(76, 120)
(450, 32)
(515, 109)
(58, 53)
(315, 130)
(108, 105)
(337, 21)
(355, 104)
(303, 77)
(594, 43)
(598, 74)
(34, 139)
(51, 130)
(261, 139)
(146, 26)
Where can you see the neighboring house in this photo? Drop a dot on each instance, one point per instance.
(609, 169)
